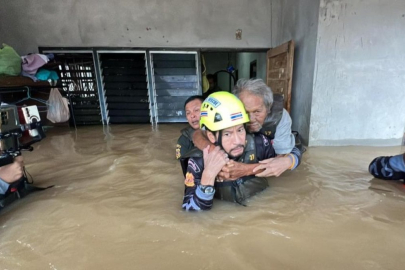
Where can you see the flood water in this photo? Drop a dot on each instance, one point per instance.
(117, 201)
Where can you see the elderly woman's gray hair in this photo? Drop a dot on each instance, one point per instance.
(256, 87)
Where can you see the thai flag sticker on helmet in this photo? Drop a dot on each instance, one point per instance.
(236, 116)
(204, 113)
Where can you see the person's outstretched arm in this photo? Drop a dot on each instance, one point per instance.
(278, 165)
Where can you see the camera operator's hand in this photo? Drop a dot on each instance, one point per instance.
(12, 172)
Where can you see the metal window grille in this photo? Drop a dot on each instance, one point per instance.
(175, 77)
(77, 74)
(125, 82)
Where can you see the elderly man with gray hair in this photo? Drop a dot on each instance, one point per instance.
(266, 113)
(267, 116)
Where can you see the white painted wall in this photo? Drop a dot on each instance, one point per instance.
(27, 24)
(298, 20)
(359, 86)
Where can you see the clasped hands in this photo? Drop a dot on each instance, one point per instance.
(218, 165)
(265, 168)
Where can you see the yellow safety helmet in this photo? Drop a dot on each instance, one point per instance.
(222, 110)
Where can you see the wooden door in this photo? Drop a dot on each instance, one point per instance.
(280, 62)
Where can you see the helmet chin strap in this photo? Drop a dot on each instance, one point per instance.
(218, 142)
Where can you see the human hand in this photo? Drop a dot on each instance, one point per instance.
(12, 172)
(233, 170)
(214, 160)
(273, 166)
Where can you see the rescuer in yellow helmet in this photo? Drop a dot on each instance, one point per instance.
(223, 117)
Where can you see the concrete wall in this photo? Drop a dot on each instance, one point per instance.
(359, 86)
(27, 24)
(243, 61)
(298, 20)
(349, 70)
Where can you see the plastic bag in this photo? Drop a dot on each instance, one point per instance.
(58, 109)
(10, 61)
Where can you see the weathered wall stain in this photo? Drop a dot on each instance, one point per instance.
(358, 94)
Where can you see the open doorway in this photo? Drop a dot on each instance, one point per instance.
(223, 68)
(274, 67)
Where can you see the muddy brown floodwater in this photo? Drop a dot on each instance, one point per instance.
(117, 201)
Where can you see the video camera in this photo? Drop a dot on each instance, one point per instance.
(13, 134)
